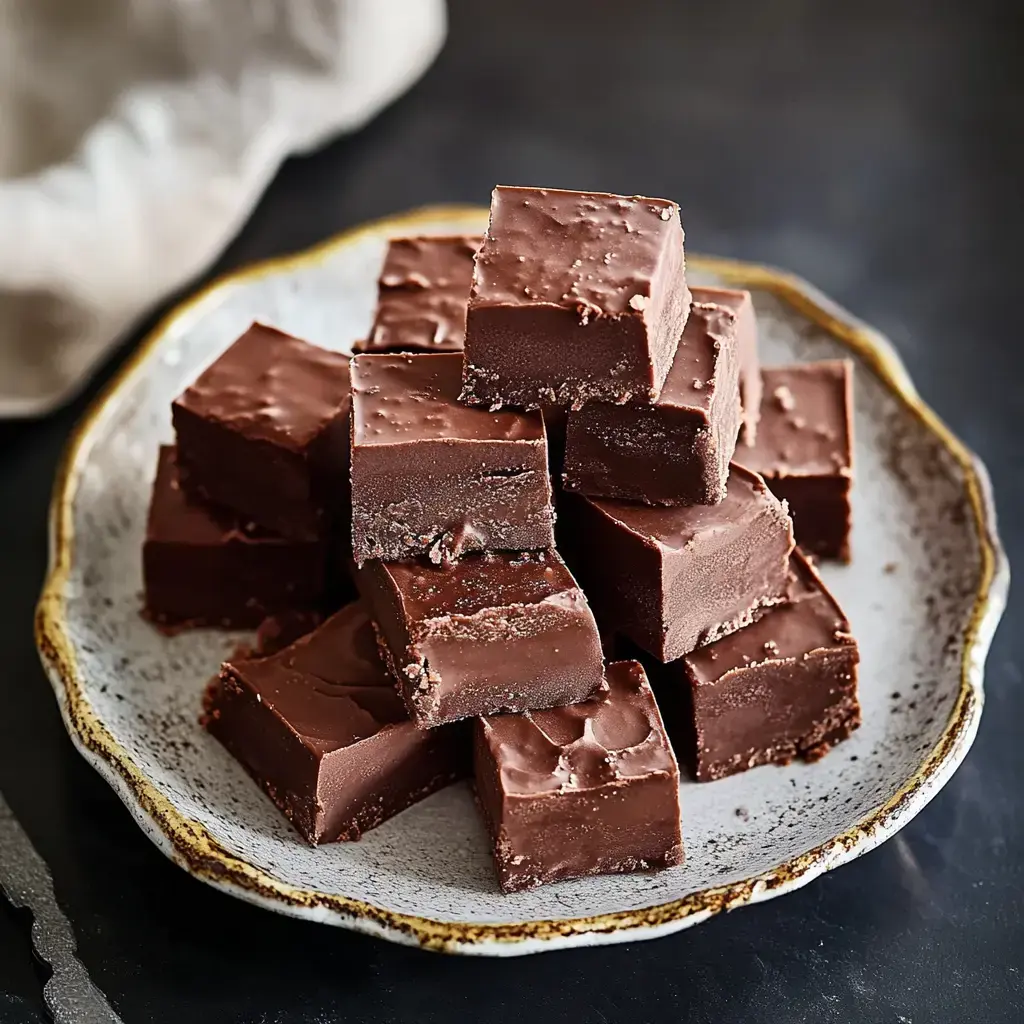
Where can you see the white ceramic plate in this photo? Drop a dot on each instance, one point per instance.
(924, 594)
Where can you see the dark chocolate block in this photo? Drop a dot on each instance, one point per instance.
(576, 297)
(204, 567)
(804, 450)
(489, 633)
(583, 790)
(422, 296)
(432, 476)
(671, 579)
(741, 303)
(319, 726)
(675, 451)
(264, 432)
(784, 686)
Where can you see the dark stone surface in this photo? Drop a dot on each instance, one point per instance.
(874, 148)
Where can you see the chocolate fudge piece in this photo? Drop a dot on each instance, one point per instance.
(264, 432)
(422, 296)
(203, 566)
(784, 686)
(742, 305)
(671, 579)
(577, 296)
(583, 790)
(433, 476)
(804, 450)
(489, 633)
(675, 451)
(319, 726)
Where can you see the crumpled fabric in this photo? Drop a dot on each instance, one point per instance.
(137, 135)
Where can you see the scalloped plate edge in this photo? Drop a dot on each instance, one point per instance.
(188, 844)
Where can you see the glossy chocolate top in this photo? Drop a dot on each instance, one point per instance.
(692, 381)
(330, 687)
(422, 295)
(676, 527)
(811, 620)
(173, 518)
(272, 387)
(401, 399)
(589, 251)
(480, 582)
(616, 735)
(418, 264)
(805, 427)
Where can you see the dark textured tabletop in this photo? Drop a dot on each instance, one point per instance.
(874, 148)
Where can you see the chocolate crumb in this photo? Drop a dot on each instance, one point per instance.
(784, 397)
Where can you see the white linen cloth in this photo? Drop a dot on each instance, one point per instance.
(136, 136)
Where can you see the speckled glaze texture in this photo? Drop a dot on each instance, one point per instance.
(924, 592)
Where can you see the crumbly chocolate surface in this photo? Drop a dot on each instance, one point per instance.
(489, 633)
(674, 451)
(433, 477)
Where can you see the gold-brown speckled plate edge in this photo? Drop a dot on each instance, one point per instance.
(192, 847)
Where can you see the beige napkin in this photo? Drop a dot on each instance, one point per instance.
(136, 136)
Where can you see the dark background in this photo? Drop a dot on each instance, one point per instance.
(876, 149)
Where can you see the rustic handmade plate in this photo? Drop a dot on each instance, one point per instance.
(924, 594)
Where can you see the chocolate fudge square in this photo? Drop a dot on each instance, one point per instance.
(804, 450)
(783, 687)
(319, 726)
(264, 431)
(577, 297)
(489, 633)
(672, 579)
(742, 305)
(582, 790)
(674, 451)
(433, 477)
(203, 566)
(422, 296)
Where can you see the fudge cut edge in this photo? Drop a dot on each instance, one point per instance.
(482, 648)
(641, 582)
(751, 388)
(725, 602)
(461, 497)
(431, 476)
(675, 451)
(513, 355)
(813, 682)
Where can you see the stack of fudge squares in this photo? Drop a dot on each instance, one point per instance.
(388, 522)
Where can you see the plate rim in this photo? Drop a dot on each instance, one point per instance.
(192, 847)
